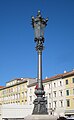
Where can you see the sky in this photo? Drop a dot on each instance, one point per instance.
(18, 57)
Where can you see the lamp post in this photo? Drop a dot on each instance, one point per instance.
(39, 25)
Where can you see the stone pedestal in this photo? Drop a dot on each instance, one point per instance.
(40, 117)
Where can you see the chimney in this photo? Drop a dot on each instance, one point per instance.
(65, 71)
(46, 77)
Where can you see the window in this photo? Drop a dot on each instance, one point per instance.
(55, 104)
(22, 102)
(66, 81)
(49, 85)
(54, 84)
(26, 94)
(67, 92)
(14, 96)
(30, 90)
(73, 91)
(4, 92)
(49, 95)
(54, 93)
(60, 83)
(30, 98)
(68, 103)
(22, 94)
(73, 80)
(18, 95)
(49, 105)
(19, 102)
(18, 88)
(61, 103)
(60, 93)
(11, 89)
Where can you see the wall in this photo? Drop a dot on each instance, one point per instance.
(16, 111)
(50, 88)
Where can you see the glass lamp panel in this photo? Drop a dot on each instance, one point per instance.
(37, 30)
(42, 30)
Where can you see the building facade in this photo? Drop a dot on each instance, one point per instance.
(15, 91)
(59, 92)
(55, 95)
(69, 93)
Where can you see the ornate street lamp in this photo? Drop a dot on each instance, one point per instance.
(39, 25)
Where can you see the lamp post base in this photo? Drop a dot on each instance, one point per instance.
(40, 106)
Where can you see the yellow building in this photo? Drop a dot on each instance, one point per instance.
(15, 91)
(69, 92)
